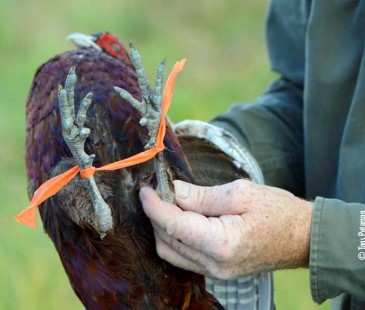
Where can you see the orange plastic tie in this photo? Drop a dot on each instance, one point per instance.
(55, 184)
(166, 99)
(46, 190)
(87, 172)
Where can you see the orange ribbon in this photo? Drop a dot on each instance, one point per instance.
(55, 184)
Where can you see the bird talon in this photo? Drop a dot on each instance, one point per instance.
(84, 133)
(75, 134)
(150, 109)
(143, 121)
(150, 106)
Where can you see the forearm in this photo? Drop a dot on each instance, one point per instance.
(271, 129)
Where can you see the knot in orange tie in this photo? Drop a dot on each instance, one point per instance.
(159, 148)
(53, 185)
(87, 172)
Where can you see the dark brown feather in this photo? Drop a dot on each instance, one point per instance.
(121, 271)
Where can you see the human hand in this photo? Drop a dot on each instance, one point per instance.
(230, 230)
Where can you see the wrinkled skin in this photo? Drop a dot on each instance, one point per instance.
(230, 230)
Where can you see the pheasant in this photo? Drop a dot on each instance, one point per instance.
(106, 112)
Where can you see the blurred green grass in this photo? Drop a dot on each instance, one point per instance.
(226, 63)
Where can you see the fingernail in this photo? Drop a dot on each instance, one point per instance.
(182, 189)
(142, 193)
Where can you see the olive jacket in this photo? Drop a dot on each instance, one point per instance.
(308, 133)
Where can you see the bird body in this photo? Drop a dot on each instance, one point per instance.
(121, 270)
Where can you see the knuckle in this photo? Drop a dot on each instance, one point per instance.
(223, 254)
(218, 272)
(160, 248)
(171, 228)
(200, 194)
(160, 252)
(239, 185)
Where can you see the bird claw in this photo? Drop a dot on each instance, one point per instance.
(73, 130)
(150, 108)
(150, 105)
(75, 135)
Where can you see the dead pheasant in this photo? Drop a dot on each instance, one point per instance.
(97, 224)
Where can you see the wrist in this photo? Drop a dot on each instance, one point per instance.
(302, 230)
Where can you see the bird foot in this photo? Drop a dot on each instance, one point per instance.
(150, 105)
(150, 109)
(75, 134)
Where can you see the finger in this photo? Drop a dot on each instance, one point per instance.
(211, 201)
(175, 258)
(193, 229)
(158, 211)
(177, 223)
(182, 249)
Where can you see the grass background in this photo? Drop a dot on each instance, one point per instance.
(223, 42)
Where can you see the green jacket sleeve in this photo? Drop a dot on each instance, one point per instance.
(337, 256)
(272, 130)
(307, 133)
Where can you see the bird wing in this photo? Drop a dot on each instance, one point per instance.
(216, 157)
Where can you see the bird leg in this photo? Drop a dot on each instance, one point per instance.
(150, 109)
(75, 134)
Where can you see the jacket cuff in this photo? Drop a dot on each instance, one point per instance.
(337, 250)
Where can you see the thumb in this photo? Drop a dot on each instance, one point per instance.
(209, 201)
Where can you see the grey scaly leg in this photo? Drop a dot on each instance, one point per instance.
(75, 134)
(150, 109)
